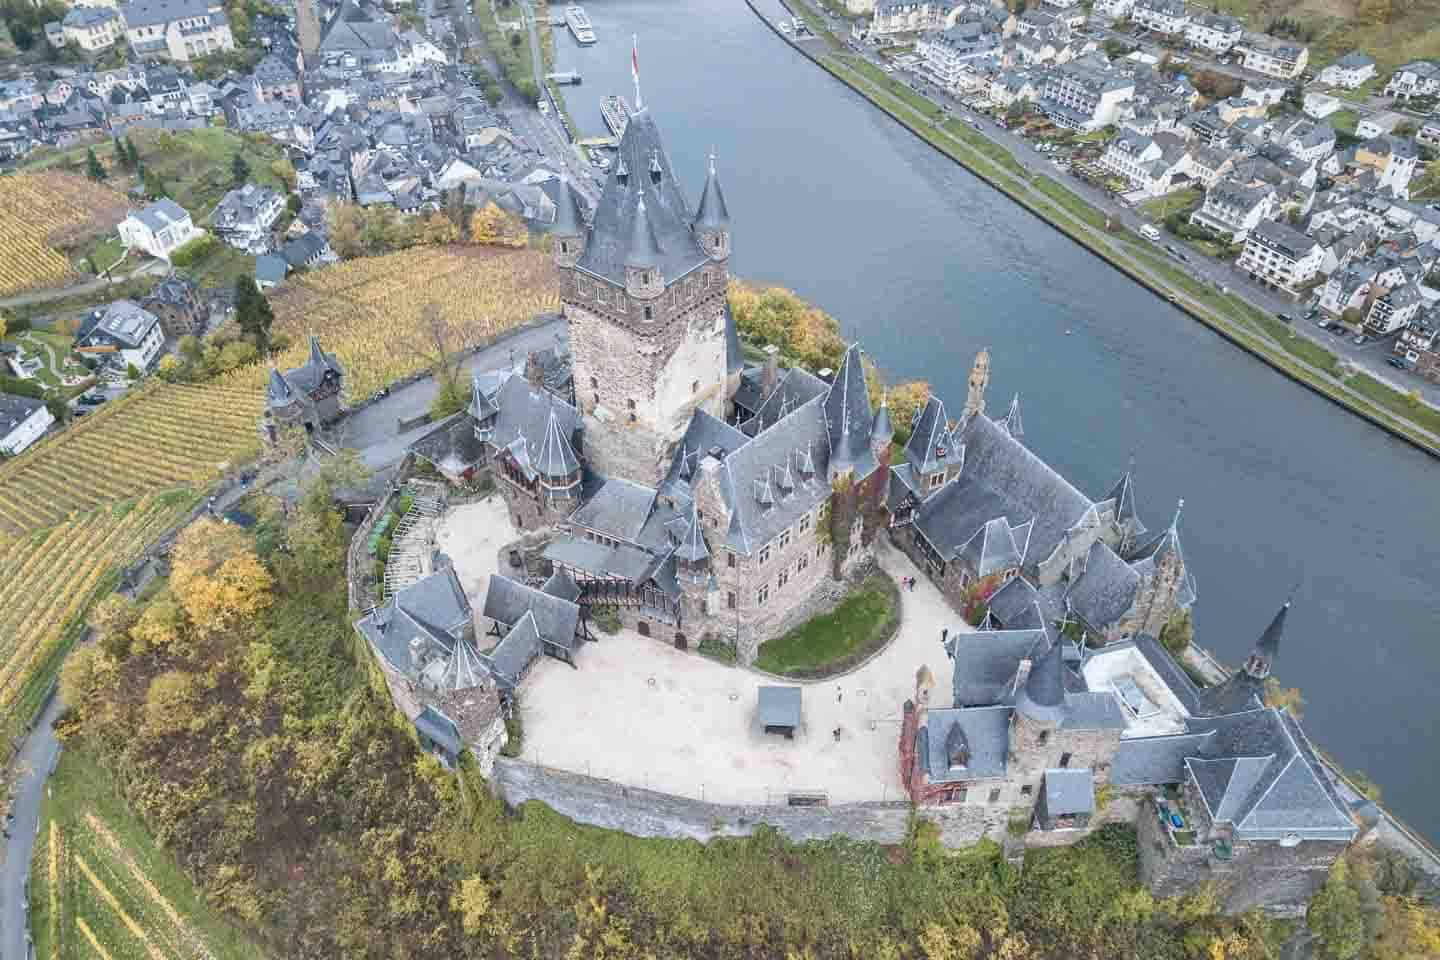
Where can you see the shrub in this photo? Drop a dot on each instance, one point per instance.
(514, 730)
(194, 251)
(606, 619)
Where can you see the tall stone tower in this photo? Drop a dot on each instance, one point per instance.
(643, 287)
(979, 381)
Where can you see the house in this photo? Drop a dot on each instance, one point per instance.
(122, 330)
(1216, 32)
(244, 217)
(1155, 165)
(1167, 17)
(1393, 159)
(177, 29)
(1420, 78)
(178, 305)
(1280, 257)
(1232, 209)
(530, 621)
(1378, 125)
(951, 56)
(1349, 72)
(1265, 92)
(307, 250)
(1419, 344)
(274, 79)
(23, 420)
(1320, 105)
(423, 640)
(92, 29)
(1273, 56)
(1081, 97)
(159, 228)
(1429, 134)
(1393, 310)
(909, 16)
(270, 270)
(55, 34)
(1113, 10)
(1066, 801)
(307, 395)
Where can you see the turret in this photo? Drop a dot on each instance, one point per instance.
(1042, 700)
(882, 432)
(568, 235)
(643, 277)
(712, 218)
(979, 381)
(1262, 658)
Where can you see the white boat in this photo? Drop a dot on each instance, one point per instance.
(579, 23)
(616, 112)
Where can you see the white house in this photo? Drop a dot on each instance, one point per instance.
(92, 28)
(1216, 32)
(1233, 209)
(1394, 310)
(1320, 105)
(244, 217)
(909, 16)
(1420, 78)
(1264, 92)
(949, 54)
(1273, 56)
(177, 29)
(1162, 16)
(1394, 160)
(1377, 125)
(1350, 71)
(159, 229)
(125, 329)
(1281, 257)
(1113, 10)
(23, 420)
(1155, 165)
(1083, 98)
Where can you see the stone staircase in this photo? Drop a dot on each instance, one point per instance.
(412, 543)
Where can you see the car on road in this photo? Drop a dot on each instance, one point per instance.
(1150, 233)
(1321, 322)
(1360, 340)
(1338, 328)
(1283, 316)
(1397, 363)
(93, 399)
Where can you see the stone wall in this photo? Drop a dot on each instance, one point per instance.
(647, 813)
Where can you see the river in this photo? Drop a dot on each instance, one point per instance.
(924, 265)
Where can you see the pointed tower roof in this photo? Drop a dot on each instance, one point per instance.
(1043, 698)
(464, 669)
(882, 432)
(1013, 424)
(692, 545)
(1123, 496)
(556, 458)
(277, 391)
(612, 230)
(643, 251)
(847, 415)
(568, 220)
(1269, 645)
(712, 214)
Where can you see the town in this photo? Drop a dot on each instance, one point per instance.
(363, 418)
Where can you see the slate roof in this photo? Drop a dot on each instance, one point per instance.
(703, 434)
(1043, 696)
(352, 30)
(985, 663)
(555, 618)
(311, 373)
(848, 419)
(123, 323)
(712, 212)
(270, 268)
(1106, 590)
(1145, 761)
(987, 733)
(160, 214)
(440, 730)
(516, 650)
(929, 434)
(613, 230)
(522, 424)
(1069, 792)
(303, 249)
(618, 509)
(1014, 605)
(428, 618)
(626, 562)
(151, 13)
(778, 706)
(15, 410)
(793, 388)
(993, 548)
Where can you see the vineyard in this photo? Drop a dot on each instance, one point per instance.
(39, 211)
(100, 888)
(371, 312)
(48, 580)
(157, 438)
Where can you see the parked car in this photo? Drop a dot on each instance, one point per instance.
(1360, 340)
(1397, 363)
(93, 399)
(1149, 232)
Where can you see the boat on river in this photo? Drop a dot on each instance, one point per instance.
(616, 111)
(579, 24)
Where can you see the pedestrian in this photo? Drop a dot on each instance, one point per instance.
(839, 694)
(837, 734)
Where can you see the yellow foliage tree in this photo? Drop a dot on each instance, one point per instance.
(172, 704)
(160, 626)
(1411, 931)
(216, 576)
(939, 942)
(497, 228)
(436, 229)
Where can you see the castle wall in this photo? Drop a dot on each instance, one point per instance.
(1035, 748)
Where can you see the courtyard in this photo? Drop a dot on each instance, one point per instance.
(638, 711)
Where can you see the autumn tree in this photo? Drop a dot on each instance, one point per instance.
(437, 229)
(1178, 631)
(111, 620)
(216, 577)
(252, 312)
(495, 227)
(1335, 916)
(347, 225)
(1287, 697)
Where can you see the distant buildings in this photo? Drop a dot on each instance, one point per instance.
(1419, 78)
(1216, 32)
(177, 29)
(1280, 257)
(92, 29)
(23, 420)
(244, 217)
(1350, 71)
(1273, 56)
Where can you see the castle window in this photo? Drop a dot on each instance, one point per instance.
(1044, 737)
(1064, 760)
(649, 313)
(597, 397)
(803, 562)
(764, 555)
(564, 246)
(630, 404)
(805, 523)
(730, 600)
(594, 384)
(695, 386)
(936, 480)
(995, 795)
(602, 293)
(762, 595)
(783, 579)
(646, 277)
(1026, 790)
(784, 539)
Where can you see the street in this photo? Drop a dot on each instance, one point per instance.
(32, 769)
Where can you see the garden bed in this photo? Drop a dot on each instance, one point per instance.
(835, 642)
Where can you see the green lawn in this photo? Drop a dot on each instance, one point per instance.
(1344, 121)
(836, 640)
(106, 869)
(1161, 207)
(222, 268)
(103, 252)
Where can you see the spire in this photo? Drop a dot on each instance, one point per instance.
(635, 70)
(882, 432)
(712, 213)
(847, 411)
(1262, 659)
(278, 390)
(317, 356)
(1012, 419)
(979, 380)
(643, 251)
(622, 172)
(568, 221)
(1044, 695)
(1175, 520)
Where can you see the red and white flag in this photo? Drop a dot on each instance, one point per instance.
(634, 60)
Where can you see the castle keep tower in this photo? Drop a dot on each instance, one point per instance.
(644, 290)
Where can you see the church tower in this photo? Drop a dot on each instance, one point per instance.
(643, 287)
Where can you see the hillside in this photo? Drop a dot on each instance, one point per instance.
(1391, 31)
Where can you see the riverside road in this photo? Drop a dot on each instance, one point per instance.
(924, 264)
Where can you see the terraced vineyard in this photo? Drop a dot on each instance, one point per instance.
(160, 437)
(371, 312)
(101, 888)
(41, 210)
(48, 580)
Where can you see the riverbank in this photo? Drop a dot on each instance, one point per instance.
(1260, 335)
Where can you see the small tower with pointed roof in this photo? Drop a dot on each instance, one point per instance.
(643, 279)
(712, 218)
(567, 237)
(1245, 688)
(979, 382)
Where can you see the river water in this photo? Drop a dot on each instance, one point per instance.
(924, 265)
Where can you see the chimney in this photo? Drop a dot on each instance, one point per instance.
(534, 372)
(771, 376)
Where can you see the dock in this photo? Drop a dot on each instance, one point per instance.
(609, 142)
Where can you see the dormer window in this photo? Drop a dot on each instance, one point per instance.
(564, 246)
(649, 313)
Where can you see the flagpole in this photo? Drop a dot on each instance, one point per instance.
(635, 69)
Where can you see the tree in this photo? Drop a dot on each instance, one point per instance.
(284, 171)
(239, 169)
(496, 227)
(112, 620)
(252, 312)
(1178, 632)
(1335, 916)
(93, 168)
(132, 372)
(440, 349)
(347, 223)
(1287, 697)
(217, 579)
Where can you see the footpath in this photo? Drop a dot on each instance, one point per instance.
(1251, 329)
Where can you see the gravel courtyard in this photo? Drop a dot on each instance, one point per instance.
(472, 535)
(637, 711)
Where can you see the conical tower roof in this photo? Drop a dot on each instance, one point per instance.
(1269, 645)
(277, 391)
(882, 432)
(643, 252)
(568, 220)
(1043, 698)
(712, 213)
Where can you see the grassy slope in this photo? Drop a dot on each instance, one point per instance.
(1412, 33)
(847, 630)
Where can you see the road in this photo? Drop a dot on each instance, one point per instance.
(33, 767)
(154, 267)
(547, 132)
(1370, 357)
